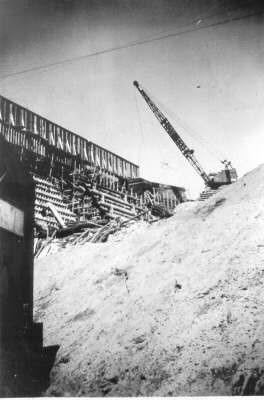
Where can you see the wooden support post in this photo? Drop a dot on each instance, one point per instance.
(56, 215)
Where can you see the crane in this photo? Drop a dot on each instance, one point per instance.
(211, 180)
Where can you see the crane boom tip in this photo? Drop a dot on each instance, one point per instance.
(135, 83)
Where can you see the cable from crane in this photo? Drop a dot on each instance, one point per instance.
(142, 144)
(142, 135)
(211, 180)
(203, 142)
(217, 154)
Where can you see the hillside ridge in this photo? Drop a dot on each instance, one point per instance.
(172, 308)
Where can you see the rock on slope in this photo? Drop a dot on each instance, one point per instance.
(175, 308)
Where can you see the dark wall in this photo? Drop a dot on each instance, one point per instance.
(16, 246)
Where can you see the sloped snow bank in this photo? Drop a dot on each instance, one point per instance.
(173, 308)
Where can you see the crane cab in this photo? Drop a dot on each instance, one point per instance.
(224, 177)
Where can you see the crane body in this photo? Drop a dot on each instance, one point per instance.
(210, 180)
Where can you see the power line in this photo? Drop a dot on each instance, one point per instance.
(130, 45)
(196, 21)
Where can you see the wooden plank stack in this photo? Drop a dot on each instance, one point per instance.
(46, 192)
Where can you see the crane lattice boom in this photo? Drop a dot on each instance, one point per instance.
(165, 123)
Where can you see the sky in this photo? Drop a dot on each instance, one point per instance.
(202, 61)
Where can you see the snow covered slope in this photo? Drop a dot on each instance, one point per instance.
(188, 320)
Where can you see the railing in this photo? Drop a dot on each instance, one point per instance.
(32, 132)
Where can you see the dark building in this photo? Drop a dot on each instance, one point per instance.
(23, 359)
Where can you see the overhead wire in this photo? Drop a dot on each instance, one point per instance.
(131, 45)
(197, 20)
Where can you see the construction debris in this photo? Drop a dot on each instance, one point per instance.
(82, 200)
(92, 231)
(160, 211)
